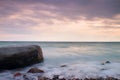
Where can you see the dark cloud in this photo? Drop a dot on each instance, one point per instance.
(8, 8)
(45, 10)
(67, 8)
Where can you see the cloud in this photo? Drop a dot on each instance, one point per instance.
(60, 19)
(71, 9)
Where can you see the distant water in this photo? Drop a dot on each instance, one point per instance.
(83, 59)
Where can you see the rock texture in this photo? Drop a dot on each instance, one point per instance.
(57, 78)
(35, 70)
(63, 66)
(106, 62)
(19, 56)
(17, 74)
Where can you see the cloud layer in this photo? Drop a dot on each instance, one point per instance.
(60, 20)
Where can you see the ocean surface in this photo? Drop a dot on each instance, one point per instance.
(82, 59)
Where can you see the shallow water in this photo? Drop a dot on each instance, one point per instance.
(83, 59)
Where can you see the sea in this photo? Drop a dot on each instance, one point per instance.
(80, 60)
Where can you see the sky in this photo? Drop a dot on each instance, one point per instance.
(59, 20)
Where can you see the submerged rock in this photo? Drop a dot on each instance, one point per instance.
(63, 66)
(43, 78)
(103, 69)
(35, 70)
(106, 62)
(17, 74)
(55, 77)
(19, 56)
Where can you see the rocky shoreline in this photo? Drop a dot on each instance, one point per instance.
(57, 78)
(21, 56)
(26, 76)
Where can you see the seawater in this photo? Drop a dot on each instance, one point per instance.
(82, 59)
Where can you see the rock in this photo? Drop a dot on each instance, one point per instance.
(75, 79)
(86, 79)
(107, 62)
(35, 70)
(62, 79)
(55, 77)
(27, 77)
(43, 78)
(102, 63)
(100, 78)
(103, 69)
(19, 56)
(111, 78)
(63, 66)
(17, 74)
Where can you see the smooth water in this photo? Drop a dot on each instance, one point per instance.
(83, 59)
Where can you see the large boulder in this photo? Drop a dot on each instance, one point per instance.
(19, 56)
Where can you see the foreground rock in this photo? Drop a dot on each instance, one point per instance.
(35, 70)
(19, 56)
(17, 74)
(57, 78)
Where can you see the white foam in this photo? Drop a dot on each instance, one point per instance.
(82, 70)
(78, 70)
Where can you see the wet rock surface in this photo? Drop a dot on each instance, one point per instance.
(63, 66)
(106, 62)
(57, 78)
(35, 70)
(26, 76)
(19, 56)
(17, 74)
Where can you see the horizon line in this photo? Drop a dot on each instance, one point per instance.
(53, 41)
